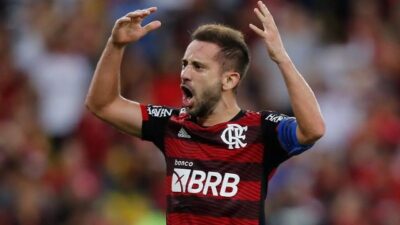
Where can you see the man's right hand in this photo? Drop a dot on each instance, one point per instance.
(129, 29)
(104, 98)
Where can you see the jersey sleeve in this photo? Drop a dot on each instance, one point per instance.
(279, 133)
(288, 138)
(154, 122)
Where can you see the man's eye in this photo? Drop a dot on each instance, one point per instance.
(197, 66)
(184, 64)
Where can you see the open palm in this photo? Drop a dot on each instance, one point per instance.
(129, 28)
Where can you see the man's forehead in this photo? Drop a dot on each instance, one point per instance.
(201, 50)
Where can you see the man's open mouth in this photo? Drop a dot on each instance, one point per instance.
(187, 98)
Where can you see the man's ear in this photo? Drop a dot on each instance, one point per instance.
(230, 80)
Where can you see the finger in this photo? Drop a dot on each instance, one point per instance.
(120, 22)
(260, 16)
(142, 13)
(138, 14)
(263, 9)
(257, 30)
(269, 20)
(123, 20)
(152, 9)
(152, 26)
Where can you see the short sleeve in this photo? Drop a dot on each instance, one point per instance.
(280, 137)
(155, 120)
(288, 137)
(275, 153)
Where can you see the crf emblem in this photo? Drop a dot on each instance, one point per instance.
(234, 136)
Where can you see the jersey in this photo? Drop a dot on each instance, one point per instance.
(218, 174)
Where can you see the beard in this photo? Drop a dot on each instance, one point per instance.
(206, 101)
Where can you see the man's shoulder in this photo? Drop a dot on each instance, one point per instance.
(263, 115)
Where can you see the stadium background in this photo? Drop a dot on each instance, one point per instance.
(60, 165)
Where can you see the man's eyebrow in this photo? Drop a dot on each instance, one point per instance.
(194, 62)
(198, 62)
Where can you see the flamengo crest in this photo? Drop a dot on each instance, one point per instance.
(234, 136)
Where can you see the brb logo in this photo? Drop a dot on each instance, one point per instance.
(234, 136)
(197, 181)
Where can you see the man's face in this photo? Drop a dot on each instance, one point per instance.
(201, 78)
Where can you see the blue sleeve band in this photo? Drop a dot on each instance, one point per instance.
(288, 138)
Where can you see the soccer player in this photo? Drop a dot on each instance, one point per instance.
(219, 157)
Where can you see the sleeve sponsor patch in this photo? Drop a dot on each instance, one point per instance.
(276, 154)
(159, 111)
(155, 120)
(275, 118)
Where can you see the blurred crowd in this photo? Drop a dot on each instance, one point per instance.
(61, 165)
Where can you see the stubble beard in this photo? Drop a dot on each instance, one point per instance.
(206, 102)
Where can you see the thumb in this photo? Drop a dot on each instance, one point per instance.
(152, 26)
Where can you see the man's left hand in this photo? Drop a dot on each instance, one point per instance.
(270, 34)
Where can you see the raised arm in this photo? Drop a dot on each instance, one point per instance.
(305, 107)
(104, 98)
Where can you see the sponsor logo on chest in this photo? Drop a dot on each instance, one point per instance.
(204, 182)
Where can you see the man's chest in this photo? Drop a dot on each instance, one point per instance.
(224, 161)
(233, 142)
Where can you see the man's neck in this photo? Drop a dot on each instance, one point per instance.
(224, 111)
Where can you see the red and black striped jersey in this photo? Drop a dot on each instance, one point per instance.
(218, 174)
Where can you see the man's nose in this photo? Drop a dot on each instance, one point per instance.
(185, 74)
